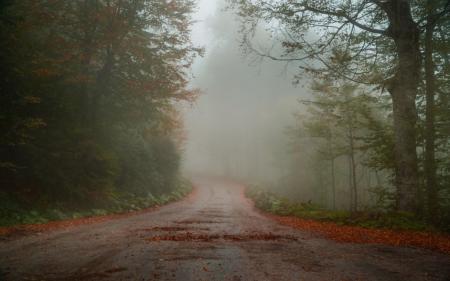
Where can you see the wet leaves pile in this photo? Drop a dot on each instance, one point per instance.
(186, 236)
(356, 234)
(199, 237)
(197, 221)
(257, 236)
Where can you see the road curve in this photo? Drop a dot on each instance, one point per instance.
(214, 235)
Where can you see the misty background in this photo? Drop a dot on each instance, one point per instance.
(237, 126)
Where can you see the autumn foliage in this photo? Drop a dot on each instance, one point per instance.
(355, 234)
(345, 227)
(88, 110)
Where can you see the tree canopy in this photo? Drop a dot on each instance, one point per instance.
(89, 93)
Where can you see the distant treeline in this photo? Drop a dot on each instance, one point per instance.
(88, 91)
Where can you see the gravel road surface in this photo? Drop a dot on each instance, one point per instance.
(215, 234)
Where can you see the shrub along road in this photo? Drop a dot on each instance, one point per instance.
(214, 235)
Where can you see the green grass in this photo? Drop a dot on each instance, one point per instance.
(14, 213)
(272, 203)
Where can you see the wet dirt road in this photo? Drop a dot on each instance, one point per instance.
(213, 235)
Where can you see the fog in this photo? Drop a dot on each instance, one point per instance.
(237, 126)
(332, 116)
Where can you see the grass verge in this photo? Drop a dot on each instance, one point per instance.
(272, 203)
(14, 214)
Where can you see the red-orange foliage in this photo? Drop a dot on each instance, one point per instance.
(355, 234)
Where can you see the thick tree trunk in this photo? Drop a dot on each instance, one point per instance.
(430, 165)
(403, 89)
(406, 174)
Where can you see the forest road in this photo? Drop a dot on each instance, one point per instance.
(214, 234)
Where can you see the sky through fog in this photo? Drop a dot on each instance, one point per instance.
(236, 127)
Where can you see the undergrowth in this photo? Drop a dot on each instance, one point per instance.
(14, 213)
(272, 203)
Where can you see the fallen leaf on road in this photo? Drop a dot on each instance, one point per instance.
(355, 234)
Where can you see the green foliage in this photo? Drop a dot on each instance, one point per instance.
(13, 213)
(366, 53)
(384, 198)
(88, 104)
(147, 165)
(272, 203)
(391, 220)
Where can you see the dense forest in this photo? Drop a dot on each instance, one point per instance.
(91, 93)
(225, 140)
(376, 135)
(88, 111)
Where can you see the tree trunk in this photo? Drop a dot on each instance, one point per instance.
(430, 164)
(333, 183)
(351, 147)
(403, 89)
(103, 82)
(353, 175)
(89, 29)
(333, 176)
(350, 182)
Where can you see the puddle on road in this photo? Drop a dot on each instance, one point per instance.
(192, 257)
(116, 269)
(218, 216)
